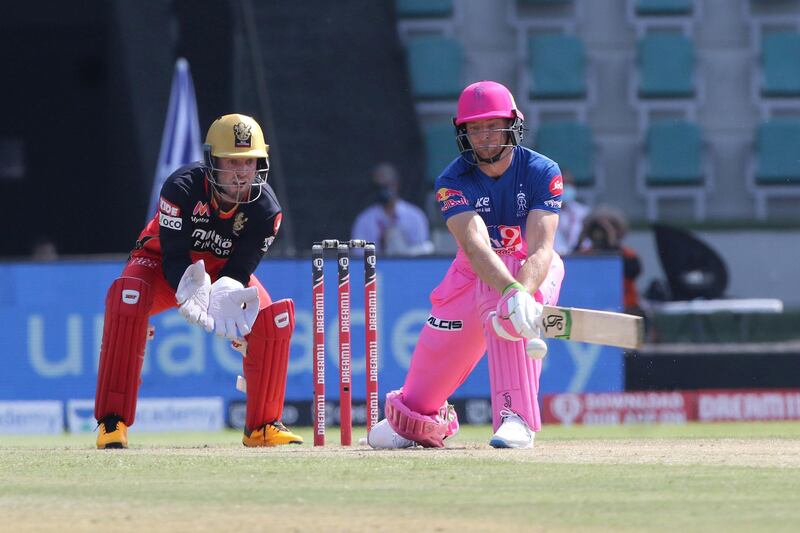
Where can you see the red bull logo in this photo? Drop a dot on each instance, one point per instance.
(449, 198)
(443, 194)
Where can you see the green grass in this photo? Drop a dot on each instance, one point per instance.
(737, 477)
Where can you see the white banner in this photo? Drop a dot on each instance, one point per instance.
(156, 414)
(31, 418)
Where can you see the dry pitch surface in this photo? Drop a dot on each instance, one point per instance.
(738, 477)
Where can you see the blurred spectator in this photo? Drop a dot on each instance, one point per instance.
(394, 225)
(570, 220)
(603, 232)
(44, 249)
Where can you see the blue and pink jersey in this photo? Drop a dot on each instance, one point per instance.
(531, 182)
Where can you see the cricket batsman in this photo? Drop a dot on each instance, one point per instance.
(216, 218)
(501, 202)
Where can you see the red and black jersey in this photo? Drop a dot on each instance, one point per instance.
(189, 226)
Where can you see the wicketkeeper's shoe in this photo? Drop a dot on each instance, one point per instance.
(513, 432)
(272, 434)
(112, 433)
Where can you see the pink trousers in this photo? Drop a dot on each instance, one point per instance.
(453, 341)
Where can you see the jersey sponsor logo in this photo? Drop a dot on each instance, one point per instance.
(276, 225)
(556, 186)
(450, 198)
(553, 203)
(242, 135)
(201, 209)
(168, 208)
(482, 205)
(505, 240)
(445, 325)
(267, 243)
(211, 240)
(168, 222)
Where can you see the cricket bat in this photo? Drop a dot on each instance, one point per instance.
(595, 327)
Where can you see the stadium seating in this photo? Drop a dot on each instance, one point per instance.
(672, 165)
(648, 15)
(440, 147)
(558, 67)
(426, 16)
(780, 61)
(570, 145)
(435, 64)
(775, 171)
(423, 8)
(554, 79)
(663, 7)
(776, 85)
(665, 80)
(666, 63)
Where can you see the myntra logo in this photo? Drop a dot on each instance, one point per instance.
(201, 209)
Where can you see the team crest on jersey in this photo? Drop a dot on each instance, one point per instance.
(238, 223)
(522, 205)
(243, 136)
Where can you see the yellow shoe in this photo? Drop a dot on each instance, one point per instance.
(112, 433)
(273, 434)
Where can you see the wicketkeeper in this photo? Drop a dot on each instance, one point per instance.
(216, 218)
(501, 203)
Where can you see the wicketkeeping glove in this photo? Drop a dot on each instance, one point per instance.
(517, 315)
(233, 308)
(193, 293)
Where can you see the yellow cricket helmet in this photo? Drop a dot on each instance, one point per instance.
(236, 136)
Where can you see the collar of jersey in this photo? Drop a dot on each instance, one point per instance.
(223, 214)
(215, 205)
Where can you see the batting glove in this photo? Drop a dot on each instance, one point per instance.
(193, 294)
(517, 315)
(233, 308)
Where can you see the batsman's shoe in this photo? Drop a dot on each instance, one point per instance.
(383, 437)
(513, 432)
(112, 433)
(272, 434)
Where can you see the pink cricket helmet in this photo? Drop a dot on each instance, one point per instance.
(483, 100)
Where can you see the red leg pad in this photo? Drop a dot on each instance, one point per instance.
(267, 363)
(128, 305)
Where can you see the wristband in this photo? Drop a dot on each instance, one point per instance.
(516, 285)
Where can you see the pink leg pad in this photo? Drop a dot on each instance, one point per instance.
(427, 430)
(449, 346)
(513, 376)
(514, 379)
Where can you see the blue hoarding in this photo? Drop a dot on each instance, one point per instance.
(52, 322)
